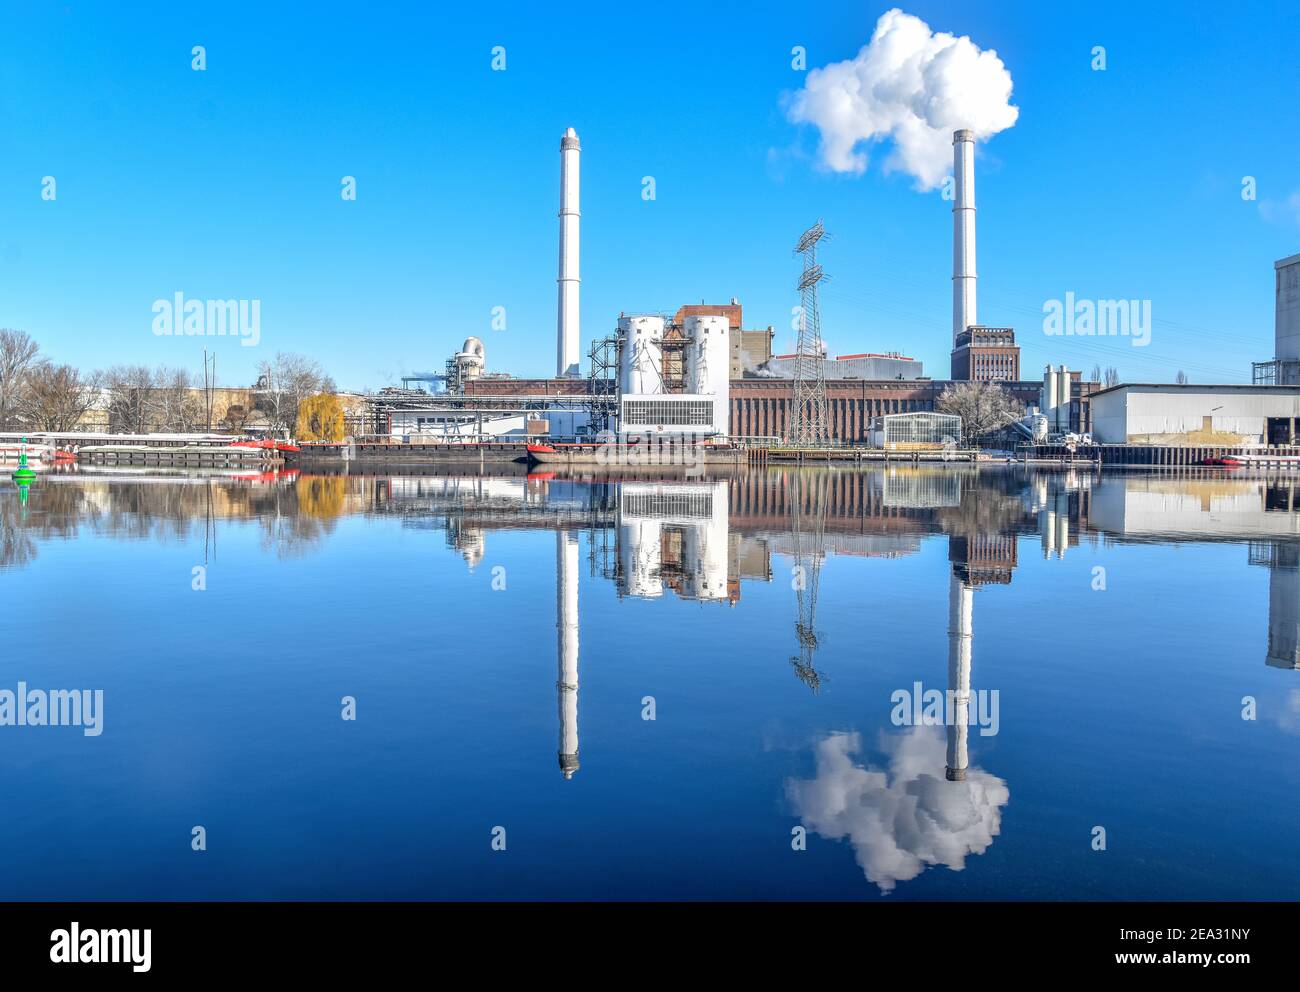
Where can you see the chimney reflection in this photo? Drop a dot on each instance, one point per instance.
(566, 637)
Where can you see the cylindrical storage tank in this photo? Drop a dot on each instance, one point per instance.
(471, 360)
(708, 363)
(641, 355)
(708, 356)
(1049, 394)
(1063, 398)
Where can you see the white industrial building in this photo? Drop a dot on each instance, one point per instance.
(645, 405)
(1164, 413)
(451, 424)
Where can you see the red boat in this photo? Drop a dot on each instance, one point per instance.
(266, 443)
(1255, 461)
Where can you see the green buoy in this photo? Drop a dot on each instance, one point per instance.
(23, 475)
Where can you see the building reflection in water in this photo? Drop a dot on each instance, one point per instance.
(1263, 512)
(929, 807)
(675, 535)
(700, 538)
(1283, 563)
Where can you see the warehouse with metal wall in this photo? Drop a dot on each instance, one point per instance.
(1165, 413)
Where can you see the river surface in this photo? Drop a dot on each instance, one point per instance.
(903, 683)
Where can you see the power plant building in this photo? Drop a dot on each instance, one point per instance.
(701, 374)
(646, 404)
(986, 354)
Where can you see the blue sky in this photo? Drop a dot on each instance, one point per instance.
(225, 183)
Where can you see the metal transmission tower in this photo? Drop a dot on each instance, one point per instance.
(808, 420)
(807, 494)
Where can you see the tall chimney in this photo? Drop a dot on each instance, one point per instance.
(566, 331)
(963, 232)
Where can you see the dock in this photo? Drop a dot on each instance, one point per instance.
(854, 456)
(1153, 455)
(181, 456)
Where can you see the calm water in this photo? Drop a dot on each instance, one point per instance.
(506, 638)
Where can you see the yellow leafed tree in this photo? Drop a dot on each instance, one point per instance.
(320, 418)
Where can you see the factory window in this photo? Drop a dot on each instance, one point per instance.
(667, 413)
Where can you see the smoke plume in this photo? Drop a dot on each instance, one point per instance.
(903, 820)
(910, 84)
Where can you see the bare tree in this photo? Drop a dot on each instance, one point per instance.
(176, 406)
(235, 419)
(131, 400)
(982, 406)
(58, 396)
(1096, 374)
(1112, 376)
(284, 383)
(1181, 378)
(17, 355)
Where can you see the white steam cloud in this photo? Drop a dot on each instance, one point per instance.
(910, 84)
(903, 820)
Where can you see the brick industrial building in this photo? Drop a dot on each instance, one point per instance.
(986, 354)
(760, 407)
(760, 404)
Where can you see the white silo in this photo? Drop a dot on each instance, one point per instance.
(471, 360)
(708, 363)
(1063, 391)
(641, 355)
(1048, 400)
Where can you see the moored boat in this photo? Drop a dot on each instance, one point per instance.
(1249, 460)
(266, 444)
(35, 452)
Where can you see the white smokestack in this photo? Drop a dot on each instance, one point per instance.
(567, 329)
(963, 232)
